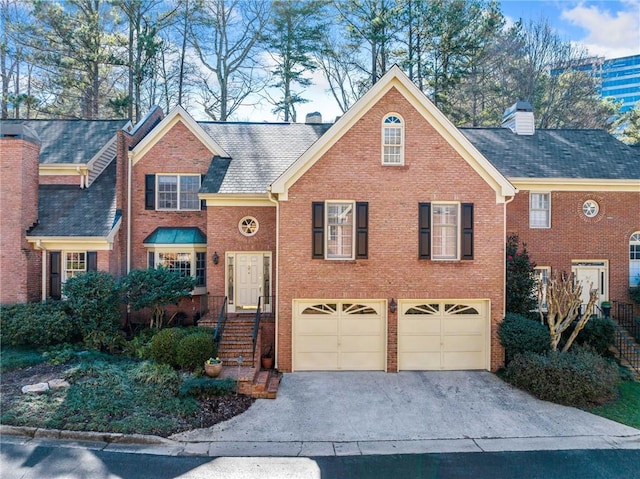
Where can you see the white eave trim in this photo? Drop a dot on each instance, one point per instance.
(178, 114)
(576, 184)
(237, 199)
(82, 243)
(96, 157)
(396, 78)
(63, 169)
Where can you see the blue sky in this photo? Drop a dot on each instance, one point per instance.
(607, 28)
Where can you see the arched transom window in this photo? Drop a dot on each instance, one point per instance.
(634, 259)
(392, 140)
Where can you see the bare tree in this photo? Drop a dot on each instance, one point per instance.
(564, 306)
(224, 35)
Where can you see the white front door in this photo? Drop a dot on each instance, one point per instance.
(248, 279)
(593, 275)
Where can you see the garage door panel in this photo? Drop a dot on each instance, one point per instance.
(317, 343)
(317, 361)
(350, 326)
(353, 332)
(414, 344)
(442, 335)
(317, 326)
(421, 325)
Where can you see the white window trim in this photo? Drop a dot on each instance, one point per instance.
(326, 230)
(192, 250)
(458, 229)
(178, 176)
(539, 276)
(402, 138)
(548, 211)
(65, 270)
(634, 239)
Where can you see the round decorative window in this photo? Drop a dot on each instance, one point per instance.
(590, 208)
(248, 226)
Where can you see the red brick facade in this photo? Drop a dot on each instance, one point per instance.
(574, 237)
(432, 171)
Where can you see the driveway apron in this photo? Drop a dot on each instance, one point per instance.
(376, 406)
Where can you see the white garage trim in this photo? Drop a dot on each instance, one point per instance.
(337, 335)
(436, 334)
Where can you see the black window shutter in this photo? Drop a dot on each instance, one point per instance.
(55, 279)
(92, 261)
(149, 192)
(424, 230)
(362, 230)
(203, 203)
(467, 230)
(317, 223)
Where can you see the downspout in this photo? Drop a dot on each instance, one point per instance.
(504, 262)
(38, 246)
(129, 211)
(277, 271)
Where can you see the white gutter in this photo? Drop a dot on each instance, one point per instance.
(277, 272)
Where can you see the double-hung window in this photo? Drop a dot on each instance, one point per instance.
(634, 260)
(542, 274)
(177, 192)
(539, 210)
(74, 263)
(340, 230)
(445, 231)
(392, 140)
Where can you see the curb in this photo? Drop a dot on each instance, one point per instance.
(106, 437)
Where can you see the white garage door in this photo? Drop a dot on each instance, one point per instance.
(339, 335)
(435, 335)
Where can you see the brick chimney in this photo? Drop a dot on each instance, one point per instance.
(313, 118)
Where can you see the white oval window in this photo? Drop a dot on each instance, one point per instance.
(248, 226)
(590, 208)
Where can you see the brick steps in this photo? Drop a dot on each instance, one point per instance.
(259, 384)
(236, 339)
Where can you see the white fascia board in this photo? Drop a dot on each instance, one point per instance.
(576, 184)
(176, 115)
(236, 199)
(63, 169)
(67, 243)
(95, 158)
(396, 78)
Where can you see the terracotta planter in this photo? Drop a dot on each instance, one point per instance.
(266, 362)
(213, 370)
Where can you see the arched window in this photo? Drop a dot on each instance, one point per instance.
(634, 259)
(392, 140)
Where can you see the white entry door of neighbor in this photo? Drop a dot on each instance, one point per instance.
(249, 270)
(593, 275)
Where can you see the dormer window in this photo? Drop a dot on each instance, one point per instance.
(392, 140)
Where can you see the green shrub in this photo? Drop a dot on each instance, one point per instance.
(519, 334)
(579, 377)
(161, 375)
(35, 324)
(204, 387)
(93, 299)
(599, 334)
(194, 349)
(164, 345)
(139, 346)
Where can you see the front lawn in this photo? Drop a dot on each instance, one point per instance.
(626, 409)
(108, 394)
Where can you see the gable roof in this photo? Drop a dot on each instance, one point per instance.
(178, 114)
(76, 142)
(259, 153)
(556, 154)
(397, 79)
(69, 211)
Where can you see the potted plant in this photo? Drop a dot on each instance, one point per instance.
(266, 360)
(606, 308)
(213, 367)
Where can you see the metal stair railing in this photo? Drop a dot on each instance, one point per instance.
(627, 334)
(222, 321)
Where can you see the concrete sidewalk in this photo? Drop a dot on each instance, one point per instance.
(353, 413)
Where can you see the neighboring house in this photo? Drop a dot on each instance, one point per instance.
(378, 241)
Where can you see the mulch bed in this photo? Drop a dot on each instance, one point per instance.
(212, 410)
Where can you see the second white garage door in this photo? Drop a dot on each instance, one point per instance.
(339, 335)
(437, 335)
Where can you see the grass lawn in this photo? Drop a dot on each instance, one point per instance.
(626, 409)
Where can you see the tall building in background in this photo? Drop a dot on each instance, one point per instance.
(620, 79)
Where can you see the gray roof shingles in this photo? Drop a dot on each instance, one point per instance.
(72, 141)
(260, 152)
(571, 154)
(69, 211)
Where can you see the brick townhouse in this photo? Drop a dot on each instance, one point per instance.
(377, 242)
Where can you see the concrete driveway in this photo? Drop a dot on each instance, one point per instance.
(352, 407)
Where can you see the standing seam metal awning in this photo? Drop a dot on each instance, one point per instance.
(176, 235)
